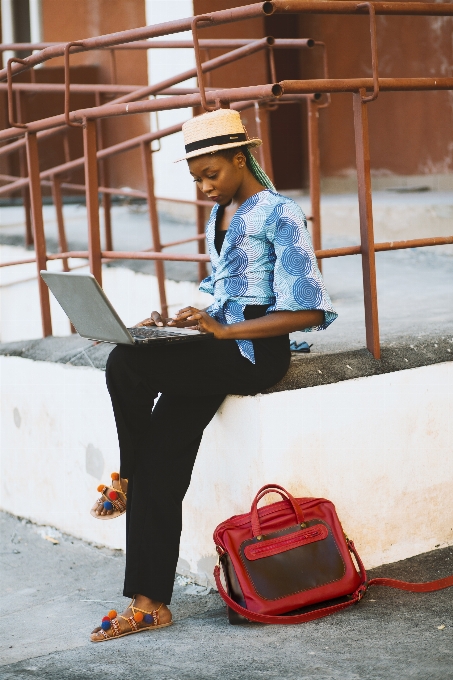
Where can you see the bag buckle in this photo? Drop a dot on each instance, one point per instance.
(220, 554)
(361, 590)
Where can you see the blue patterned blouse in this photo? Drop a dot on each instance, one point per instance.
(267, 258)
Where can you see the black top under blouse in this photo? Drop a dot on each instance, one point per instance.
(277, 346)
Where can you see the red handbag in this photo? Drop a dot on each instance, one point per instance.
(289, 556)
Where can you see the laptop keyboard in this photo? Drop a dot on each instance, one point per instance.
(150, 334)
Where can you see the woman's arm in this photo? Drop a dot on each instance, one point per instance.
(273, 324)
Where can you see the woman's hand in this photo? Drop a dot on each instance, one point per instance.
(155, 319)
(191, 317)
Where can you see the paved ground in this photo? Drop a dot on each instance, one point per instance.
(53, 594)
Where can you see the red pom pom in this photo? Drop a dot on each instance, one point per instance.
(112, 614)
(138, 616)
(113, 495)
(101, 488)
(115, 476)
(105, 618)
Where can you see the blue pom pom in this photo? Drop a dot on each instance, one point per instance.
(148, 618)
(105, 625)
(108, 505)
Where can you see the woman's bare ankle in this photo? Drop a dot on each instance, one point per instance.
(143, 602)
(149, 605)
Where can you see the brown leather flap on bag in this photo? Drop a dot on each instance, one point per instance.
(256, 551)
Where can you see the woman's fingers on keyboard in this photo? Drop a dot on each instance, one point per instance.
(156, 319)
(185, 313)
(145, 322)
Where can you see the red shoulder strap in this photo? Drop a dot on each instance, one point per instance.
(265, 618)
(427, 587)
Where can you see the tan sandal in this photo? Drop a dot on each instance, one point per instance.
(111, 499)
(110, 626)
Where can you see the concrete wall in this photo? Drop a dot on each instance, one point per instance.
(378, 447)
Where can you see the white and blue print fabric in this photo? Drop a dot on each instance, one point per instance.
(267, 258)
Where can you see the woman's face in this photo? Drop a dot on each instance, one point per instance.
(218, 177)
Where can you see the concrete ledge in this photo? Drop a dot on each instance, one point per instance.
(306, 370)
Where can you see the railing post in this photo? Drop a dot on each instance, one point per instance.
(362, 150)
(62, 241)
(314, 173)
(105, 175)
(148, 173)
(23, 173)
(58, 205)
(38, 228)
(26, 199)
(107, 208)
(201, 226)
(92, 198)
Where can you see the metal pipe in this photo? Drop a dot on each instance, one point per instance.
(201, 226)
(258, 92)
(314, 173)
(168, 28)
(320, 254)
(20, 143)
(213, 43)
(38, 229)
(204, 67)
(92, 200)
(348, 7)
(121, 147)
(356, 84)
(104, 176)
(58, 204)
(362, 148)
(198, 237)
(74, 87)
(177, 257)
(148, 173)
(374, 50)
(31, 260)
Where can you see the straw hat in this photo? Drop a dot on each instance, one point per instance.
(210, 132)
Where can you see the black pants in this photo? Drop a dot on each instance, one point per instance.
(159, 445)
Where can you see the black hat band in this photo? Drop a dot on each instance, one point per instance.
(220, 140)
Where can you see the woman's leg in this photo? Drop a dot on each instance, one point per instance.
(159, 482)
(158, 447)
(158, 450)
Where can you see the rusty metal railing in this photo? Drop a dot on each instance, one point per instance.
(128, 105)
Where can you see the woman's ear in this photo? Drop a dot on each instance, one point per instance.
(240, 160)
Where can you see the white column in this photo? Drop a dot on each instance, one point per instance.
(35, 21)
(172, 180)
(7, 27)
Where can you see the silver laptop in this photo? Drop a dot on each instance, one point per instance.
(93, 316)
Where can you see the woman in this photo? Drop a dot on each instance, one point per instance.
(265, 283)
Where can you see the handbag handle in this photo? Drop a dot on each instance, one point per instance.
(269, 488)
